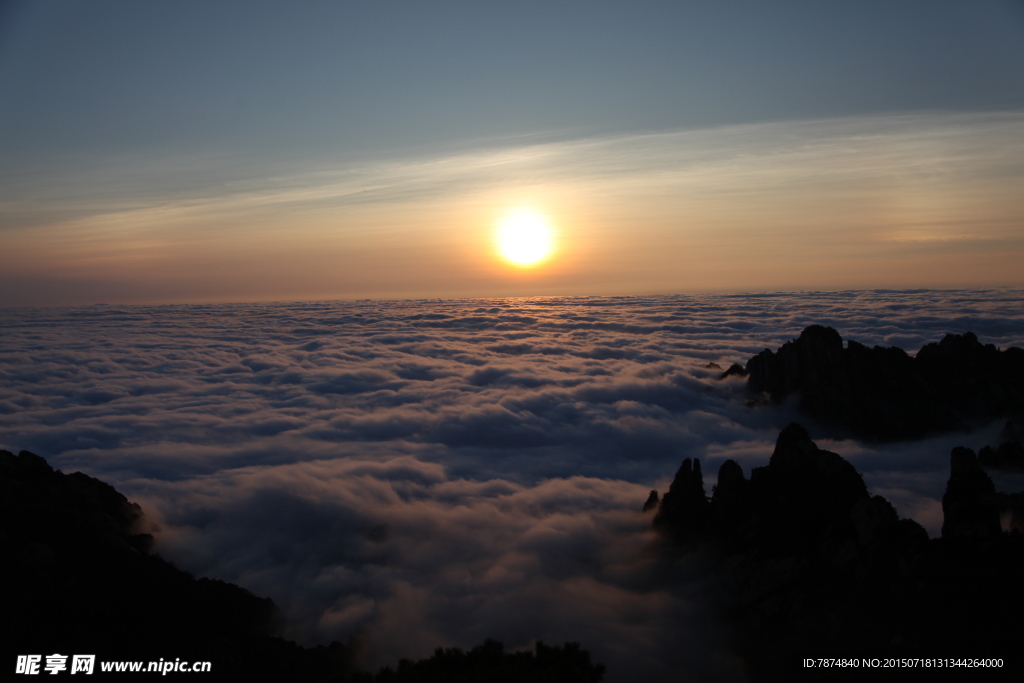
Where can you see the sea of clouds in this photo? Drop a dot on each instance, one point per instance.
(426, 473)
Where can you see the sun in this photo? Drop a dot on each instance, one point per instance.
(525, 238)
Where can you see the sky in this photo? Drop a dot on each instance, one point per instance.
(199, 152)
(429, 474)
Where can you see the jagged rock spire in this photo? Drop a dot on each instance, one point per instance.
(970, 506)
(684, 508)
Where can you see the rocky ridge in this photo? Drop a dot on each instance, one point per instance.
(817, 567)
(884, 394)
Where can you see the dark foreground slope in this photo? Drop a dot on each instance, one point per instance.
(490, 663)
(817, 567)
(883, 394)
(76, 577)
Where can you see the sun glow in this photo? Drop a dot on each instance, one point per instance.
(525, 239)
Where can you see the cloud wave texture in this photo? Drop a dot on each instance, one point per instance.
(434, 473)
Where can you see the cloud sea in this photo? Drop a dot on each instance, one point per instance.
(426, 473)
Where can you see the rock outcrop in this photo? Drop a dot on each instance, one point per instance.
(735, 369)
(490, 663)
(683, 509)
(1008, 456)
(970, 507)
(814, 564)
(78, 577)
(883, 393)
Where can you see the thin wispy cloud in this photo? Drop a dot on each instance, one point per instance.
(735, 159)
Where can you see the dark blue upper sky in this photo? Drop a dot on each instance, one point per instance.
(322, 78)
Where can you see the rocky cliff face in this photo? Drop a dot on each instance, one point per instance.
(815, 564)
(1008, 455)
(883, 393)
(78, 577)
(970, 507)
(683, 509)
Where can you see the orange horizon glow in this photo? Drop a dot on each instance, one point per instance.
(686, 211)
